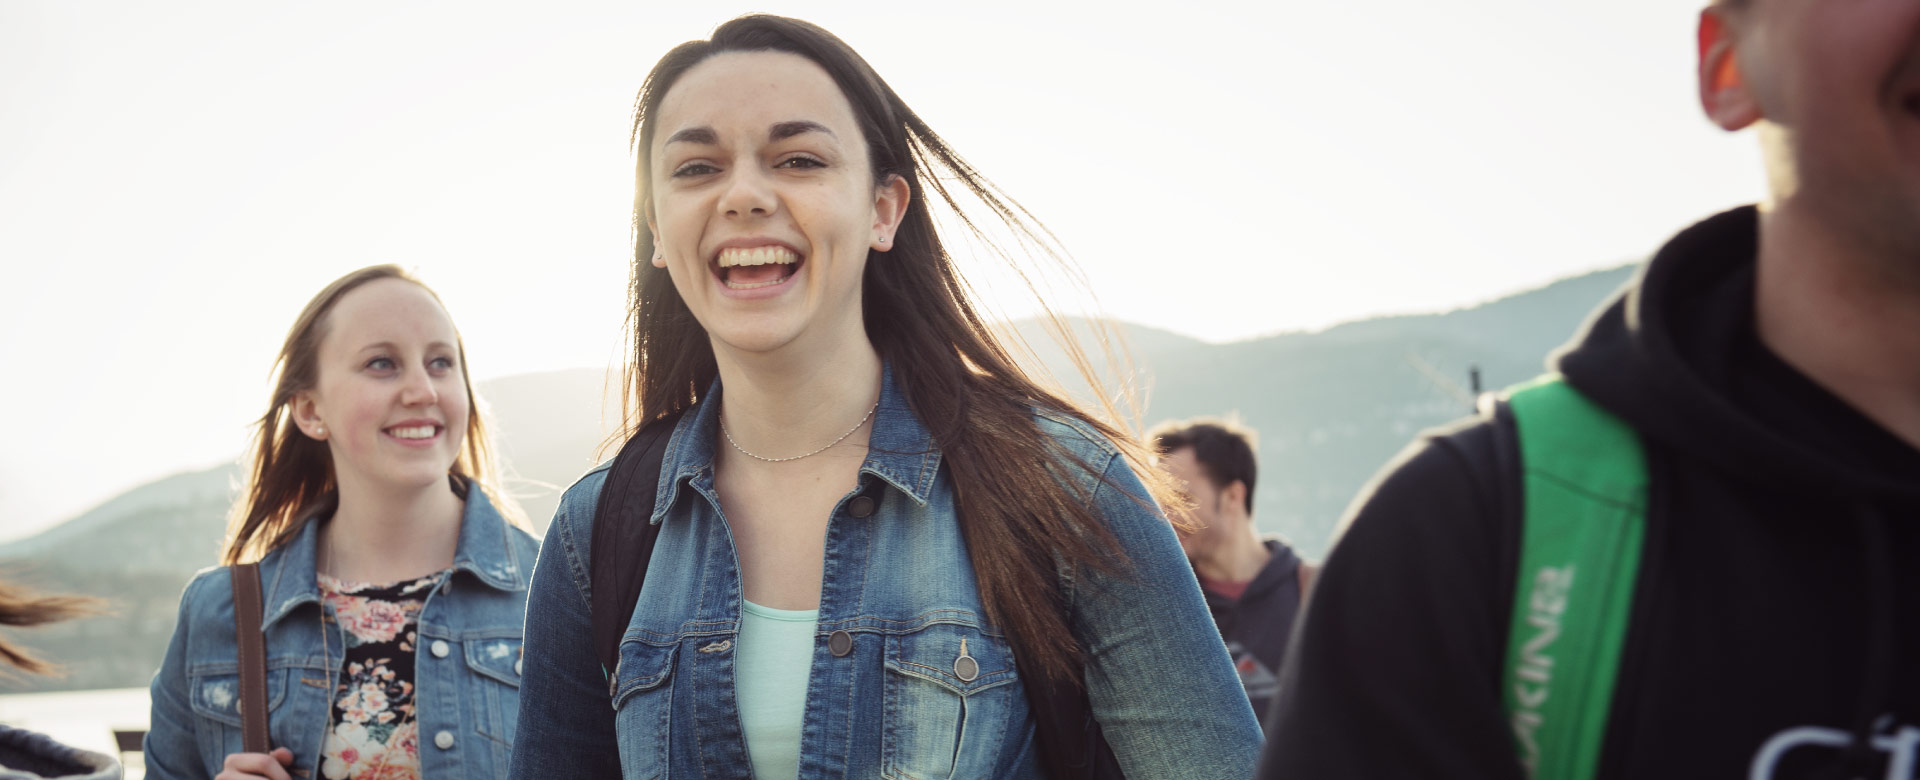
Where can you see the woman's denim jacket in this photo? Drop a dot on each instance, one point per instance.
(466, 673)
(896, 581)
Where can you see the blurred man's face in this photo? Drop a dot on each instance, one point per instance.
(1837, 85)
(1206, 510)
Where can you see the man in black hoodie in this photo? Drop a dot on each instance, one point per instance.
(1254, 586)
(1769, 359)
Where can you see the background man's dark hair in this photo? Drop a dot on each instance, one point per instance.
(1224, 449)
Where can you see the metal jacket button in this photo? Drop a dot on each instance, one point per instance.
(443, 740)
(840, 643)
(860, 506)
(440, 649)
(964, 667)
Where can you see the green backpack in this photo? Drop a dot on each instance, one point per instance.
(1584, 479)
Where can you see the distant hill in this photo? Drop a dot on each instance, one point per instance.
(1331, 407)
(550, 429)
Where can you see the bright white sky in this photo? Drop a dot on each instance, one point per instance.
(176, 179)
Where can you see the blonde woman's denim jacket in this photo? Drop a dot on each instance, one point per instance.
(466, 673)
(898, 597)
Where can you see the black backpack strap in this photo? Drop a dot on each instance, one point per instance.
(1071, 744)
(623, 536)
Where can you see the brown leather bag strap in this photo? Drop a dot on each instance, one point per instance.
(247, 614)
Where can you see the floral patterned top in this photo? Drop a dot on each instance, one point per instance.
(373, 734)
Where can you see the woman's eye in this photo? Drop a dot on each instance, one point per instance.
(380, 364)
(801, 162)
(441, 363)
(693, 169)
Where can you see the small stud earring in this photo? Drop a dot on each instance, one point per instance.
(319, 430)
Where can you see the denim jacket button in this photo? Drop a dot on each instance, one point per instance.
(443, 740)
(860, 506)
(440, 650)
(840, 643)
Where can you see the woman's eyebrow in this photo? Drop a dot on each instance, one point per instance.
(387, 346)
(694, 135)
(785, 130)
(781, 131)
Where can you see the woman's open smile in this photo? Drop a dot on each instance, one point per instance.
(753, 269)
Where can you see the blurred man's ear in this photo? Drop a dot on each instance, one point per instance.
(1234, 495)
(1724, 95)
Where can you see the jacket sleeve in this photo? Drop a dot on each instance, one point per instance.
(1395, 668)
(1158, 676)
(566, 722)
(171, 749)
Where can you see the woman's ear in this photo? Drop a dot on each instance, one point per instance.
(889, 209)
(659, 257)
(306, 416)
(1724, 94)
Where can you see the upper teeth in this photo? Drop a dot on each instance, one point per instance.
(418, 432)
(761, 255)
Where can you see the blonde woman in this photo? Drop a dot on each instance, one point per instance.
(393, 584)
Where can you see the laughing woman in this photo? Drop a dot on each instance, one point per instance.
(392, 586)
(883, 550)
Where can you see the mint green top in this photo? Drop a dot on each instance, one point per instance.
(772, 660)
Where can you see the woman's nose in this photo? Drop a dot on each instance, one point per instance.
(748, 193)
(419, 390)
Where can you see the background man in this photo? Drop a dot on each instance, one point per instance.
(1254, 586)
(1769, 361)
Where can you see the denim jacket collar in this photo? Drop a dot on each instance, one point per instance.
(901, 450)
(483, 551)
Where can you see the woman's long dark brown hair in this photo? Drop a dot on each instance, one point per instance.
(290, 477)
(1011, 482)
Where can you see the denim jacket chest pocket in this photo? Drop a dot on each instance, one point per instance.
(495, 665)
(642, 691)
(952, 696)
(214, 697)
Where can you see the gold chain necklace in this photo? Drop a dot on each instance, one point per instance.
(843, 437)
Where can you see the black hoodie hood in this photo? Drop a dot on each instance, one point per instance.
(1677, 356)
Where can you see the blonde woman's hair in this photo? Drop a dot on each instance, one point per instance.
(290, 478)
